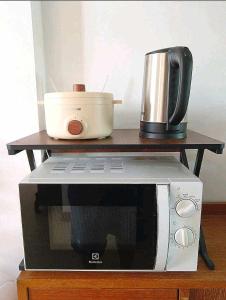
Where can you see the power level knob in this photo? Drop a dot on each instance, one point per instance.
(185, 208)
(184, 237)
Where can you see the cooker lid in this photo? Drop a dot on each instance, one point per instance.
(79, 92)
(78, 95)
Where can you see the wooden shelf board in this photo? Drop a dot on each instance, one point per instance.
(120, 140)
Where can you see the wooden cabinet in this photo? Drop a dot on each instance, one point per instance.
(202, 294)
(207, 294)
(102, 294)
(91, 286)
(39, 293)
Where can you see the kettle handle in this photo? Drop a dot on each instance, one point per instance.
(181, 57)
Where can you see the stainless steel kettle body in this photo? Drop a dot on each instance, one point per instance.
(166, 89)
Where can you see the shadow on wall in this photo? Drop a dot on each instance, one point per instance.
(8, 290)
(63, 46)
(121, 118)
(12, 170)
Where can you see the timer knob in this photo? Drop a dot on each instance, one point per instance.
(75, 127)
(184, 237)
(185, 208)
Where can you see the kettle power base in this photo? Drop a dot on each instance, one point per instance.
(153, 130)
(151, 135)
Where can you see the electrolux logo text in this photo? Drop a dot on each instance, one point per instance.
(95, 258)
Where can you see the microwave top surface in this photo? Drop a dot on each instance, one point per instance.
(119, 170)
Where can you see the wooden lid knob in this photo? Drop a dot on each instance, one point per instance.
(79, 87)
(75, 127)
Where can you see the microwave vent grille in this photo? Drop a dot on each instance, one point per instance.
(79, 166)
(97, 165)
(59, 168)
(116, 165)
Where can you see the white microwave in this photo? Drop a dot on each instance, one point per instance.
(92, 213)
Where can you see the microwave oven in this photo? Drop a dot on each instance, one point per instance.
(111, 214)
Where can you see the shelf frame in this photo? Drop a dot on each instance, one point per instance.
(123, 140)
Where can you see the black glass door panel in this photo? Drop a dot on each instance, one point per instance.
(89, 226)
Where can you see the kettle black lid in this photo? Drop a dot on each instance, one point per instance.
(164, 50)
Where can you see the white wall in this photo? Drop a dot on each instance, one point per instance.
(39, 56)
(98, 40)
(62, 44)
(18, 117)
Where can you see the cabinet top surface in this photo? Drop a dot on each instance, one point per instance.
(121, 140)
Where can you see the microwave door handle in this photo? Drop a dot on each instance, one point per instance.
(162, 194)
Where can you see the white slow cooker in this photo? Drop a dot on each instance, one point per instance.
(79, 114)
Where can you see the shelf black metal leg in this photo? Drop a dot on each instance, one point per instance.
(202, 243)
(46, 154)
(31, 159)
(183, 158)
(21, 265)
(203, 251)
(198, 162)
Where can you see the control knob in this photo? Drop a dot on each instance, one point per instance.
(75, 127)
(185, 208)
(184, 237)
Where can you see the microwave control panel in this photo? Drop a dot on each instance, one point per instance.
(185, 216)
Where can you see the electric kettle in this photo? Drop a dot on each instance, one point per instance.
(166, 90)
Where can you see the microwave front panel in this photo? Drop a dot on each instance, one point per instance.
(89, 227)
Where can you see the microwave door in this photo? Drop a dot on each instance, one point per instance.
(162, 195)
(93, 227)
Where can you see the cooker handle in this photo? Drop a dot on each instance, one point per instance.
(162, 195)
(117, 101)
